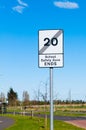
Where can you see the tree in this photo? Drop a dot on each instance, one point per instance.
(12, 97)
(2, 97)
(25, 98)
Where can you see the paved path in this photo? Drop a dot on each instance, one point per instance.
(78, 123)
(5, 122)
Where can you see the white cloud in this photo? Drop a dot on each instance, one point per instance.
(18, 9)
(66, 5)
(22, 3)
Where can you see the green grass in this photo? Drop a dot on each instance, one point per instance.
(28, 123)
(23, 123)
(68, 113)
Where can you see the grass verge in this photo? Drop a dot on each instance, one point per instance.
(28, 123)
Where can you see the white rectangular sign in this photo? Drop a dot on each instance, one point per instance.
(51, 48)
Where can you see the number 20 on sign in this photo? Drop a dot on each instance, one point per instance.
(51, 48)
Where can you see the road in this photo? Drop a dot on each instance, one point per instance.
(5, 122)
(68, 118)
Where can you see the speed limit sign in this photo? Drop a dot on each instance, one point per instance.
(51, 48)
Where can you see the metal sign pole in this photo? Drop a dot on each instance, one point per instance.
(51, 98)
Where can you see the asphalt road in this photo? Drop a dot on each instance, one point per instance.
(5, 122)
(62, 118)
(65, 118)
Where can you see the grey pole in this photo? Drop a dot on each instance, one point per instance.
(51, 98)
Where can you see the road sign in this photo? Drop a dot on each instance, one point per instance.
(51, 48)
(51, 55)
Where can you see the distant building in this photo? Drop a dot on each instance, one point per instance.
(3, 107)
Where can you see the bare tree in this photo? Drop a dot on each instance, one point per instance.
(25, 98)
(2, 97)
(44, 96)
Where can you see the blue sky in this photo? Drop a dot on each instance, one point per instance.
(20, 21)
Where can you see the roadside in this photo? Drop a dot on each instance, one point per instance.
(5, 122)
(77, 121)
